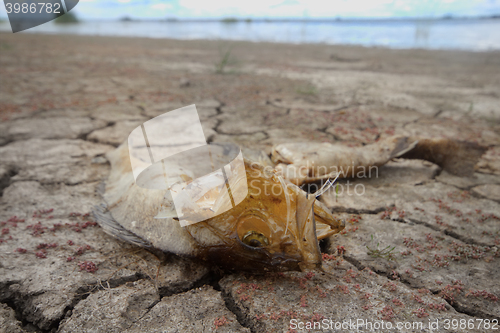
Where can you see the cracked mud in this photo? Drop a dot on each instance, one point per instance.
(420, 244)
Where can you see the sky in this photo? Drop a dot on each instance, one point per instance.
(143, 9)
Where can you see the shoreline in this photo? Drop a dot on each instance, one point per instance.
(433, 35)
(227, 41)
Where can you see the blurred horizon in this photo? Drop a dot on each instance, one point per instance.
(232, 19)
(275, 10)
(449, 24)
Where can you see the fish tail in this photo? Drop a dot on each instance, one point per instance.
(402, 145)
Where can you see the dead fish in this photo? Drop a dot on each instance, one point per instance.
(268, 231)
(308, 162)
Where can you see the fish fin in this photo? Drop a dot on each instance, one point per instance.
(323, 230)
(402, 146)
(113, 228)
(306, 229)
(326, 224)
(326, 186)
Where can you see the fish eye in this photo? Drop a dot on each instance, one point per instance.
(255, 239)
(254, 231)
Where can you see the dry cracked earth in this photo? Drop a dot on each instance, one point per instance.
(420, 244)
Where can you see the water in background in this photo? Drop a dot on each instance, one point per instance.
(467, 34)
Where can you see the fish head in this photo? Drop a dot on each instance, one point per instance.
(272, 229)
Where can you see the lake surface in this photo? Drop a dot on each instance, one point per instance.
(470, 34)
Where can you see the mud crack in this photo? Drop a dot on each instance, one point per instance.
(6, 174)
(242, 318)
